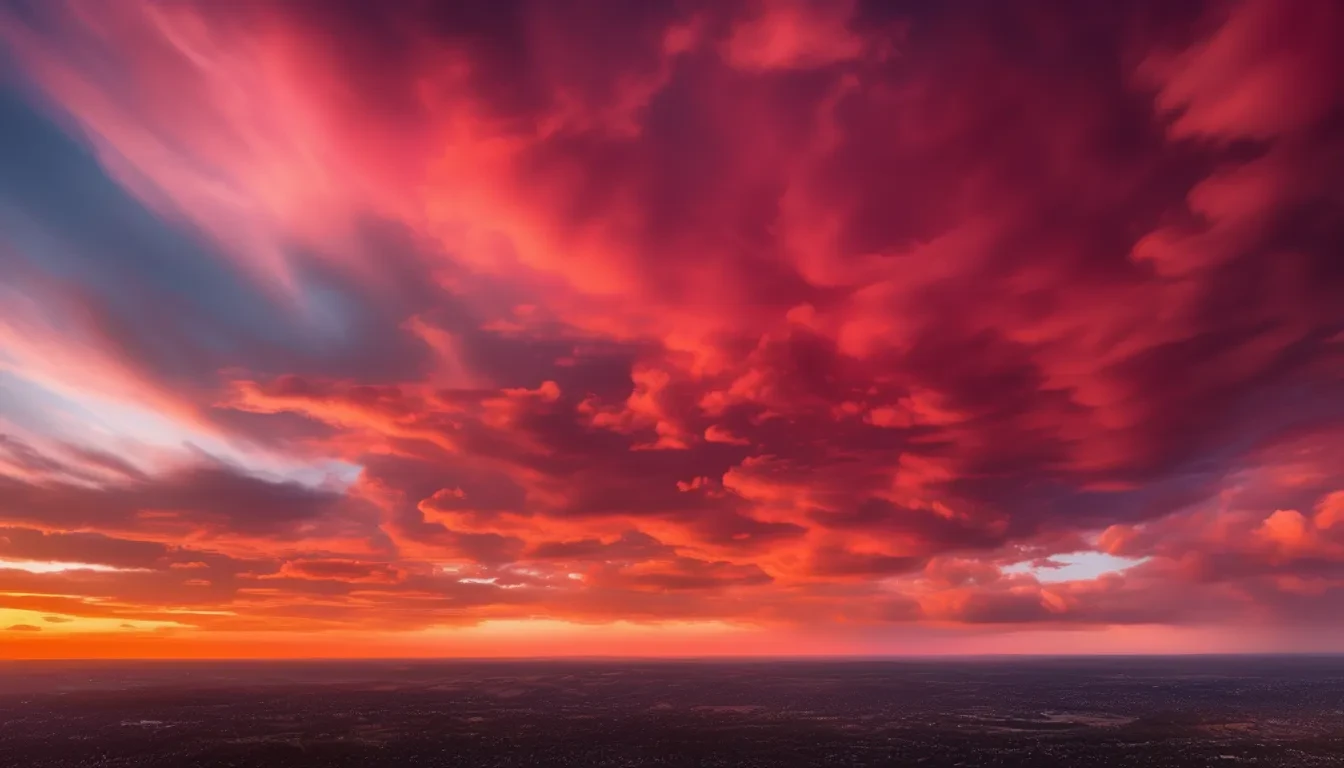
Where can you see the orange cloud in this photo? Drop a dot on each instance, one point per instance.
(338, 570)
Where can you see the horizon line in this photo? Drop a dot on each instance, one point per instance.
(700, 658)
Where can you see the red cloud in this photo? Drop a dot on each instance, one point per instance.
(773, 314)
(338, 570)
(794, 35)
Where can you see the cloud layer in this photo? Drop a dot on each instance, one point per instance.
(780, 326)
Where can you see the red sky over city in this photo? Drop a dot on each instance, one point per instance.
(671, 328)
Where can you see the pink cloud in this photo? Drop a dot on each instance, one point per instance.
(772, 314)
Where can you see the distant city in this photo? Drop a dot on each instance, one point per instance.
(1173, 712)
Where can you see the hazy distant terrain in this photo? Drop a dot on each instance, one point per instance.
(1174, 712)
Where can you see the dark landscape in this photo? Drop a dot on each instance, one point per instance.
(1177, 712)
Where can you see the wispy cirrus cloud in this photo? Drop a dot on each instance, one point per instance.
(853, 323)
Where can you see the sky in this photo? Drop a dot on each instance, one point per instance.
(730, 327)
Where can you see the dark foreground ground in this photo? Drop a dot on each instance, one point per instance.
(1177, 713)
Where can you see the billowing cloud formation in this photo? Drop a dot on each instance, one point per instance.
(820, 325)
